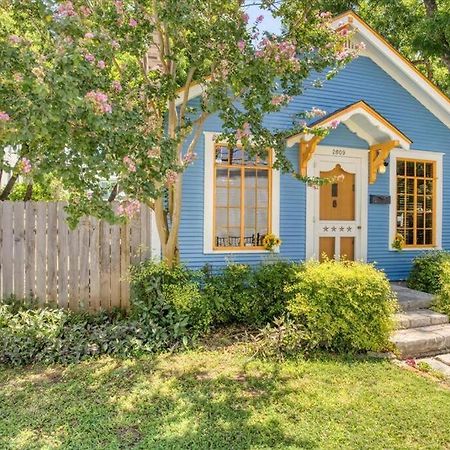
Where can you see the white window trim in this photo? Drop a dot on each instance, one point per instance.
(208, 207)
(415, 154)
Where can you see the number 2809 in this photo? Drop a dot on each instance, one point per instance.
(338, 152)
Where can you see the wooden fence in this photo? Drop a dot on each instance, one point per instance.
(85, 268)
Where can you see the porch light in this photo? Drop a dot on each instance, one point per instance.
(382, 168)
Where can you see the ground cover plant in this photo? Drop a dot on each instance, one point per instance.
(221, 399)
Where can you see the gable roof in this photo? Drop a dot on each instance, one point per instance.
(396, 65)
(364, 121)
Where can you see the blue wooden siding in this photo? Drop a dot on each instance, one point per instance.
(360, 80)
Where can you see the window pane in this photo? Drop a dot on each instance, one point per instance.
(409, 237)
(401, 186)
(221, 177)
(250, 178)
(221, 197)
(410, 168)
(429, 170)
(429, 237)
(410, 185)
(420, 186)
(263, 179)
(400, 167)
(420, 237)
(420, 169)
(222, 154)
(234, 177)
(234, 199)
(429, 220)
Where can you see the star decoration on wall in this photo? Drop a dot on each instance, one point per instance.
(349, 228)
(341, 228)
(325, 228)
(333, 228)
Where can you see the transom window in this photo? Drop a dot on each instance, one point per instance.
(416, 190)
(242, 199)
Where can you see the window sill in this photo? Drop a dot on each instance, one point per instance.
(416, 249)
(239, 251)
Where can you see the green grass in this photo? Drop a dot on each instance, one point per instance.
(217, 399)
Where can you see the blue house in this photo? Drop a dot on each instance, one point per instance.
(389, 155)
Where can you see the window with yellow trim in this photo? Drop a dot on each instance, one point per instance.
(242, 199)
(416, 191)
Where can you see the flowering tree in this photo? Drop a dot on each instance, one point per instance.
(98, 90)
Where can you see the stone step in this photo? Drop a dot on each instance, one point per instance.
(422, 341)
(419, 318)
(437, 365)
(409, 299)
(445, 359)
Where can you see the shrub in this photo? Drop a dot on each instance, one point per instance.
(48, 188)
(170, 298)
(249, 295)
(344, 306)
(429, 272)
(441, 301)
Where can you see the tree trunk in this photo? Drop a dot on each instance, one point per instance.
(8, 188)
(28, 193)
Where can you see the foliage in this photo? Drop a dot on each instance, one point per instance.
(82, 95)
(170, 297)
(250, 295)
(30, 335)
(271, 241)
(344, 306)
(441, 301)
(399, 242)
(417, 28)
(49, 189)
(284, 338)
(429, 273)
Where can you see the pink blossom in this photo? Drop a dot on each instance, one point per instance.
(133, 23)
(89, 36)
(171, 177)
(411, 362)
(259, 19)
(18, 77)
(85, 11)
(154, 152)
(279, 99)
(131, 166)
(116, 86)
(241, 45)
(101, 64)
(25, 165)
(361, 46)
(335, 123)
(128, 208)
(344, 32)
(14, 39)
(66, 9)
(189, 158)
(4, 117)
(115, 44)
(317, 112)
(119, 6)
(89, 57)
(244, 17)
(325, 15)
(243, 132)
(99, 101)
(342, 55)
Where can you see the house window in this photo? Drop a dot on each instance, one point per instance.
(242, 199)
(416, 193)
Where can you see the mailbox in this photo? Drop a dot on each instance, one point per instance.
(380, 199)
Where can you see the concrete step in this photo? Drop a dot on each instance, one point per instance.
(423, 341)
(409, 299)
(419, 318)
(445, 359)
(437, 365)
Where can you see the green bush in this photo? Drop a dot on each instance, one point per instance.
(344, 306)
(441, 301)
(47, 189)
(249, 295)
(170, 298)
(429, 272)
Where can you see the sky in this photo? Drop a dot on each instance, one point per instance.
(269, 23)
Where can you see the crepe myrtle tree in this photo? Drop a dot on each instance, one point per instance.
(96, 90)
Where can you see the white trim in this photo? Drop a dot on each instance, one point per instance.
(208, 207)
(385, 57)
(360, 156)
(194, 91)
(415, 154)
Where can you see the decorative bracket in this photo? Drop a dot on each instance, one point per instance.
(306, 151)
(377, 155)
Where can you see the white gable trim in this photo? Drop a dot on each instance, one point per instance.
(395, 65)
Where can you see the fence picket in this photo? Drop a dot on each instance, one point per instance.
(84, 230)
(30, 249)
(19, 247)
(41, 252)
(52, 262)
(94, 265)
(63, 260)
(7, 249)
(74, 271)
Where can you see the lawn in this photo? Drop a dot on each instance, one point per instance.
(218, 399)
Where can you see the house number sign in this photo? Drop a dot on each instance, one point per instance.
(338, 152)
